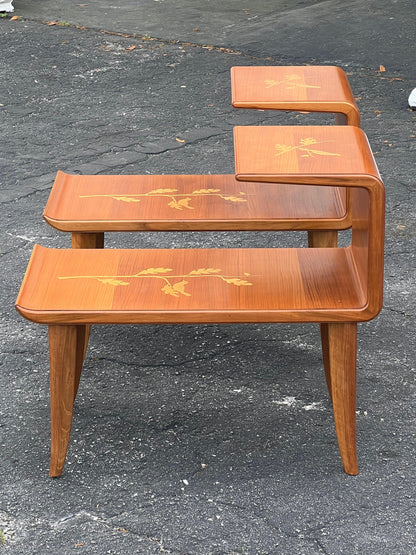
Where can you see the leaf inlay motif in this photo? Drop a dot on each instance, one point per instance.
(171, 287)
(290, 82)
(178, 201)
(304, 146)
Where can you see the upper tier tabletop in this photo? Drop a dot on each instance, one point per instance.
(326, 155)
(181, 202)
(313, 88)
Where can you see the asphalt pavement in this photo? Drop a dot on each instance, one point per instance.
(199, 439)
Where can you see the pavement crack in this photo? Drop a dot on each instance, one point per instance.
(399, 253)
(17, 352)
(160, 365)
(165, 145)
(250, 513)
(20, 197)
(15, 249)
(159, 40)
(83, 514)
(80, 514)
(212, 356)
(401, 312)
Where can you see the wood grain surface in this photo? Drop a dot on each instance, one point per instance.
(324, 155)
(84, 203)
(299, 88)
(192, 285)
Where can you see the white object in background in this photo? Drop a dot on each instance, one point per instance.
(412, 99)
(6, 6)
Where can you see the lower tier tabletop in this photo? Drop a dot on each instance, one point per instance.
(191, 286)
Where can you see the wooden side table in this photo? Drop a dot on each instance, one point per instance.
(71, 289)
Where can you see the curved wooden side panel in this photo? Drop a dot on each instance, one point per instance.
(320, 155)
(368, 240)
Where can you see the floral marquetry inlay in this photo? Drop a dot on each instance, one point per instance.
(305, 147)
(179, 201)
(171, 286)
(291, 82)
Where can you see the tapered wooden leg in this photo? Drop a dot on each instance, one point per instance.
(83, 334)
(66, 350)
(342, 356)
(322, 238)
(325, 355)
(87, 240)
(87, 336)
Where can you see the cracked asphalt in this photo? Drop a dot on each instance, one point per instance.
(199, 439)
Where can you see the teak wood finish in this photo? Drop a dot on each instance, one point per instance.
(92, 205)
(71, 289)
(112, 286)
(295, 88)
